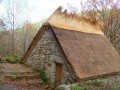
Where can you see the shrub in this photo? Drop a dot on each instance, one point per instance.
(85, 88)
(12, 59)
(43, 75)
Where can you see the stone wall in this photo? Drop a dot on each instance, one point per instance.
(47, 53)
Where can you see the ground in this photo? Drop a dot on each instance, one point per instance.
(19, 77)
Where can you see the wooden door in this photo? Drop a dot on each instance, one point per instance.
(58, 74)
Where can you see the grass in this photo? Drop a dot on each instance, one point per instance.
(95, 83)
(79, 88)
(14, 77)
(13, 73)
(118, 88)
(12, 59)
(2, 82)
(1, 67)
(118, 74)
(2, 60)
(76, 88)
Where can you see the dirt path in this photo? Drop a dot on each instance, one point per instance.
(19, 77)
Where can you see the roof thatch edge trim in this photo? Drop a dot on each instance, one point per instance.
(74, 21)
(33, 43)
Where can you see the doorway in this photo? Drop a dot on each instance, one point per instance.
(58, 74)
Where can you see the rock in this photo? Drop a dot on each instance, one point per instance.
(65, 87)
(7, 88)
(56, 59)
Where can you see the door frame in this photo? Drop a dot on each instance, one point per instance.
(58, 73)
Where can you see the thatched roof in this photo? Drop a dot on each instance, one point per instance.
(85, 47)
(90, 55)
(74, 21)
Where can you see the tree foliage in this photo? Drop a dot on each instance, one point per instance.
(108, 12)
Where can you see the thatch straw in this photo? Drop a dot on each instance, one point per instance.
(74, 21)
(90, 55)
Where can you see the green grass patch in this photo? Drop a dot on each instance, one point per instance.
(76, 88)
(2, 82)
(79, 88)
(12, 59)
(1, 67)
(14, 77)
(95, 83)
(118, 73)
(118, 88)
(13, 73)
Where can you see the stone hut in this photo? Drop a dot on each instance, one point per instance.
(72, 48)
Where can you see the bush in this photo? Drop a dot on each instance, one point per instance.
(12, 59)
(43, 75)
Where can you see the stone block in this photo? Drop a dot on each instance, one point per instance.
(65, 87)
(56, 59)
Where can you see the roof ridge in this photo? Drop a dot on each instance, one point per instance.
(74, 21)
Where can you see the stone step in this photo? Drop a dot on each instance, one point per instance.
(26, 86)
(18, 73)
(47, 87)
(7, 67)
(34, 87)
(14, 77)
(21, 77)
(34, 81)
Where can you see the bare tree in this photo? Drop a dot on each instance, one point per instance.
(4, 43)
(28, 32)
(14, 18)
(0, 1)
(2, 25)
(26, 29)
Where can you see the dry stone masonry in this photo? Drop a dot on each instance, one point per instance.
(46, 54)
